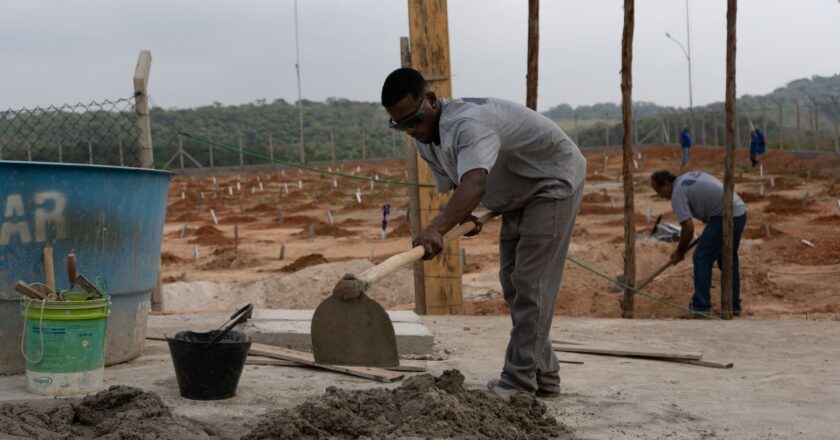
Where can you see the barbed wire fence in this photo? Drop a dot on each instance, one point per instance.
(97, 132)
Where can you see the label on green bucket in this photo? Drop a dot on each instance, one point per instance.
(68, 346)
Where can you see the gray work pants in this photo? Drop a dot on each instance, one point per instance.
(533, 244)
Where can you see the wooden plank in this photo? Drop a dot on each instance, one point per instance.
(710, 364)
(377, 374)
(406, 365)
(629, 353)
(429, 43)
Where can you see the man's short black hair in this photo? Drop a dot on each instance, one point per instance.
(662, 177)
(401, 82)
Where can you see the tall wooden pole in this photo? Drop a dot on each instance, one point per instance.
(533, 53)
(627, 167)
(729, 179)
(429, 40)
(141, 108)
(411, 160)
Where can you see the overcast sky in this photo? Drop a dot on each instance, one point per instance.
(53, 52)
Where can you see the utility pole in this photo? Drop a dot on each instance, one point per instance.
(687, 53)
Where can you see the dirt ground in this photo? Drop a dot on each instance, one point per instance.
(783, 384)
(323, 221)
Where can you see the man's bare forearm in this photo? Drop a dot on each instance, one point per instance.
(686, 235)
(464, 200)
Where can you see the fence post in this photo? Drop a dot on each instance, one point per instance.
(393, 143)
(834, 103)
(332, 145)
(364, 144)
(816, 106)
(703, 126)
(29, 151)
(798, 126)
(141, 108)
(61, 153)
(90, 153)
(241, 160)
(122, 161)
(607, 130)
(210, 147)
(271, 150)
(181, 151)
(781, 129)
(577, 137)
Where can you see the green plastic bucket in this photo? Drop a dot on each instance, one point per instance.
(64, 344)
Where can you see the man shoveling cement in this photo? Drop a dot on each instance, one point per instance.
(514, 161)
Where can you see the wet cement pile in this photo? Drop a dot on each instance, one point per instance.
(118, 413)
(424, 406)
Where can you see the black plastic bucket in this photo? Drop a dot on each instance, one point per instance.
(208, 372)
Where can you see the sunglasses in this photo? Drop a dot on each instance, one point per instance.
(412, 121)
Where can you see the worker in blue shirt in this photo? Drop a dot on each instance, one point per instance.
(685, 142)
(757, 145)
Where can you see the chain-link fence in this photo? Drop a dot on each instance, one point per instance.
(101, 133)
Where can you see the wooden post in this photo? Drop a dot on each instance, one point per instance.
(429, 36)
(61, 154)
(411, 160)
(607, 129)
(141, 108)
(715, 129)
(90, 153)
(122, 161)
(627, 166)
(729, 179)
(577, 138)
(533, 54)
(815, 105)
(703, 126)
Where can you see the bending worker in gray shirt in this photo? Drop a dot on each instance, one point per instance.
(514, 161)
(700, 195)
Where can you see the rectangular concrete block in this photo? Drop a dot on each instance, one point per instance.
(291, 329)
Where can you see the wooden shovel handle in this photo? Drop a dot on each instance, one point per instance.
(655, 274)
(397, 261)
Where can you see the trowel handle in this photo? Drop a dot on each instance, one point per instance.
(662, 269)
(395, 262)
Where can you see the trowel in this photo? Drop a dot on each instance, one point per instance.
(350, 328)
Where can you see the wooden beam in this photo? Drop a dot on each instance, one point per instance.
(429, 42)
(729, 164)
(629, 353)
(627, 304)
(141, 108)
(411, 160)
(407, 365)
(377, 374)
(532, 78)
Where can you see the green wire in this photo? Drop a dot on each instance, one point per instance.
(626, 286)
(399, 182)
(290, 164)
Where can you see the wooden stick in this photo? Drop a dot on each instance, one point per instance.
(49, 269)
(407, 365)
(377, 374)
(710, 364)
(629, 353)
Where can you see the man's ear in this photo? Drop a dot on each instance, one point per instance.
(432, 98)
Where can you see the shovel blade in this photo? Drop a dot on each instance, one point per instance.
(355, 332)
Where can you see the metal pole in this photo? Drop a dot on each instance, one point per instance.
(364, 144)
(122, 161)
(690, 88)
(181, 151)
(241, 160)
(210, 147)
(798, 127)
(332, 145)
(271, 150)
(780, 130)
(300, 95)
(90, 153)
(61, 156)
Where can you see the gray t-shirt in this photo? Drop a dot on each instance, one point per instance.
(525, 154)
(699, 195)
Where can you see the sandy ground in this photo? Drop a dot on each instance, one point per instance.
(783, 385)
(781, 275)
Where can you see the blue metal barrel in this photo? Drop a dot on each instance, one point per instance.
(110, 217)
